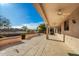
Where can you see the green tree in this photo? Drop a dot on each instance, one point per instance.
(41, 28)
(24, 28)
(4, 22)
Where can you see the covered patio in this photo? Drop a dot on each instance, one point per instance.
(64, 20)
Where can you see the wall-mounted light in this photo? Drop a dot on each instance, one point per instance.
(59, 12)
(73, 21)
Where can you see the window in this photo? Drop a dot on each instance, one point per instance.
(66, 25)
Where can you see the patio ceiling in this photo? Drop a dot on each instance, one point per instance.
(49, 12)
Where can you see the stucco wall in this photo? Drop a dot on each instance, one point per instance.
(72, 36)
(71, 42)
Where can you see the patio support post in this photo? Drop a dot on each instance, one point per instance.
(47, 32)
(54, 30)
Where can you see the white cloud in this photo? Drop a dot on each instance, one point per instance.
(16, 26)
(29, 26)
(33, 25)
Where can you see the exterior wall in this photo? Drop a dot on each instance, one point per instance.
(71, 36)
(9, 40)
(73, 28)
(70, 41)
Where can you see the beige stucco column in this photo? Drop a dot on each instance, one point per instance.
(54, 30)
(47, 32)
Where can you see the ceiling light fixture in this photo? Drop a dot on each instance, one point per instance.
(59, 12)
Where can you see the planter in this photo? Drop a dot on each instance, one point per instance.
(23, 36)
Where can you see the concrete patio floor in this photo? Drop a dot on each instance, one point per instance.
(37, 46)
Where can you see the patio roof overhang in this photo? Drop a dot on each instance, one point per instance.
(49, 12)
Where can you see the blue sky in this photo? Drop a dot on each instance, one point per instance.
(21, 14)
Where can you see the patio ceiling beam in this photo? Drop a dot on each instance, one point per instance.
(42, 12)
(39, 7)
